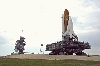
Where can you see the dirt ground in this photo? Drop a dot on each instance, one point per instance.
(54, 57)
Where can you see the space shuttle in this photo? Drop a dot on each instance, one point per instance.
(67, 26)
(69, 43)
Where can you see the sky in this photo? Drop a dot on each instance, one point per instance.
(41, 23)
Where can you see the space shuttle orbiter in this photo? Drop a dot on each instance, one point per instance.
(67, 26)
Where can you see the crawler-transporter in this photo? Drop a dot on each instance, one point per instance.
(69, 43)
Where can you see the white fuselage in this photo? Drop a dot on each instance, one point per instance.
(69, 27)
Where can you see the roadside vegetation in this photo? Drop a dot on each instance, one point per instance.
(30, 62)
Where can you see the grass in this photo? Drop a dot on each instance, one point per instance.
(30, 62)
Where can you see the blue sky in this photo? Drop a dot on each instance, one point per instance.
(42, 23)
